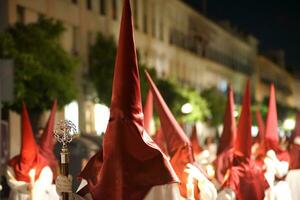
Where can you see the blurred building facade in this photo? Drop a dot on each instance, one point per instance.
(178, 41)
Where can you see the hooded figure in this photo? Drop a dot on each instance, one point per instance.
(276, 159)
(130, 165)
(29, 169)
(258, 147)
(294, 146)
(244, 178)
(225, 148)
(46, 144)
(194, 141)
(179, 147)
(148, 116)
(271, 141)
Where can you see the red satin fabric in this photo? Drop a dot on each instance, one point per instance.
(243, 141)
(46, 145)
(223, 164)
(229, 130)
(131, 163)
(148, 112)
(194, 141)
(29, 157)
(160, 141)
(174, 135)
(178, 145)
(225, 147)
(271, 136)
(246, 180)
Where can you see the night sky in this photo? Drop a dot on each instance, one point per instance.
(276, 23)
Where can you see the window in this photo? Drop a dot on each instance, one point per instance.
(153, 21)
(74, 40)
(153, 26)
(102, 7)
(145, 18)
(41, 16)
(161, 29)
(20, 14)
(135, 13)
(89, 4)
(114, 9)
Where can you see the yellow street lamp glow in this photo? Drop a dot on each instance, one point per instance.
(254, 131)
(187, 108)
(289, 124)
(235, 113)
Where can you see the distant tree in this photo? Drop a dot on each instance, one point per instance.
(101, 67)
(43, 70)
(216, 102)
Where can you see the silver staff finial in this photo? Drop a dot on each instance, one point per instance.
(64, 132)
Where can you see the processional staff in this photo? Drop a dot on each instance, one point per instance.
(64, 133)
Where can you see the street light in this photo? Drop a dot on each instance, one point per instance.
(187, 108)
(289, 124)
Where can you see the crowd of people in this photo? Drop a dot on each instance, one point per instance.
(130, 165)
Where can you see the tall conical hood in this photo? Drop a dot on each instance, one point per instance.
(243, 140)
(229, 129)
(261, 126)
(46, 142)
(178, 144)
(29, 157)
(194, 141)
(131, 163)
(28, 145)
(126, 96)
(148, 112)
(174, 135)
(271, 135)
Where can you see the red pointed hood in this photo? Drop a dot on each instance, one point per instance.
(243, 140)
(46, 142)
(28, 145)
(229, 129)
(126, 96)
(159, 139)
(132, 163)
(148, 112)
(29, 157)
(194, 141)
(271, 135)
(178, 144)
(261, 126)
(174, 135)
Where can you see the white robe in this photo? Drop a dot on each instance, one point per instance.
(163, 192)
(160, 192)
(274, 168)
(293, 179)
(43, 188)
